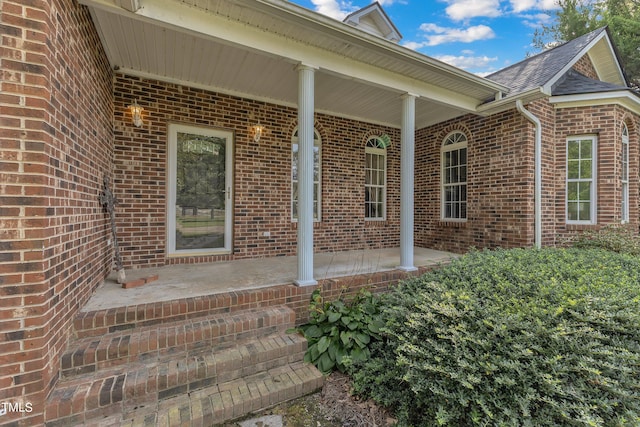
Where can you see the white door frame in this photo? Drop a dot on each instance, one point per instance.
(172, 145)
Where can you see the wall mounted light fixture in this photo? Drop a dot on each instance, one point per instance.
(258, 130)
(136, 113)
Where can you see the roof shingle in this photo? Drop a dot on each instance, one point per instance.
(573, 83)
(538, 70)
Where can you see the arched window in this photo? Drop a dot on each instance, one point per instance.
(375, 180)
(317, 175)
(624, 176)
(454, 177)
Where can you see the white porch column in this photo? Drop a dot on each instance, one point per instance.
(407, 159)
(305, 175)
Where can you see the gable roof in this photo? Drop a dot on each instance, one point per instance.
(547, 68)
(374, 20)
(573, 83)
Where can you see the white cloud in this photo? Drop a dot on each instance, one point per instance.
(436, 35)
(467, 62)
(536, 20)
(414, 45)
(459, 10)
(523, 5)
(339, 9)
(333, 8)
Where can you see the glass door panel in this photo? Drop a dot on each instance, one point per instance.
(200, 190)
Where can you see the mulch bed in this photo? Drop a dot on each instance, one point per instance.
(333, 406)
(337, 403)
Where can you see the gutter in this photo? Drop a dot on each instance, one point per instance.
(507, 102)
(538, 172)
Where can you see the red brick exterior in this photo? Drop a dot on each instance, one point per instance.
(605, 122)
(500, 184)
(585, 67)
(56, 144)
(64, 125)
(501, 176)
(262, 174)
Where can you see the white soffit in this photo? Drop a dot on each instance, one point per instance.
(250, 48)
(604, 60)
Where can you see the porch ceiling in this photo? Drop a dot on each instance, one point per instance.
(251, 49)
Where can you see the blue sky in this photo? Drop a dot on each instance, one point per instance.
(480, 36)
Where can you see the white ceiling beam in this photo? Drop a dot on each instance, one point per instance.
(130, 5)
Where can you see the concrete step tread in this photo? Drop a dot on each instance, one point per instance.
(90, 354)
(146, 381)
(232, 400)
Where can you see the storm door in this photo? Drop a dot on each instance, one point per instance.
(200, 182)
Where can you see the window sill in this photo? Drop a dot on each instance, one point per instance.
(579, 227)
(451, 223)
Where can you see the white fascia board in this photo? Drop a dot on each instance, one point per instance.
(306, 17)
(189, 20)
(623, 98)
(112, 6)
(508, 103)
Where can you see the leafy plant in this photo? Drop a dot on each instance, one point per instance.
(616, 238)
(339, 332)
(513, 338)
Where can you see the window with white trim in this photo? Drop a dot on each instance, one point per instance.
(624, 178)
(581, 183)
(317, 175)
(375, 181)
(454, 177)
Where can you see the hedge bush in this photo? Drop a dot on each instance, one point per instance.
(513, 338)
(617, 238)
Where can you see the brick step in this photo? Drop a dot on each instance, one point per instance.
(91, 354)
(100, 322)
(228, 401)
(138, 387)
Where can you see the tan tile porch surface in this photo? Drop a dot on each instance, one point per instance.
(192, 280)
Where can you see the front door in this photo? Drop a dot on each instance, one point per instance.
(200, 183)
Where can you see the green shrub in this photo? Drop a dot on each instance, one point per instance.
(339, 333)
(513, 338)
(616, 238)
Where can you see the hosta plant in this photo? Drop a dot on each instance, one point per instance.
(341, 332)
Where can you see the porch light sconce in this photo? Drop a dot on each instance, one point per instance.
(136, 113)
(258, 130)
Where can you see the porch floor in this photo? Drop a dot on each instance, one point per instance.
(192, 280)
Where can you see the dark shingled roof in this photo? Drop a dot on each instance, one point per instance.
(573, 83)
(538, 70)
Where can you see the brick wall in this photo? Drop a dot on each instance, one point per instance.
(605, 122)
(262, 196)
(585, 67)
(500, 184)
(56, 144)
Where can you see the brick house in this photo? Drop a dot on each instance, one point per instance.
(311, 135)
